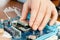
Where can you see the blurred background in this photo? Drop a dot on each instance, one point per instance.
(19, 5)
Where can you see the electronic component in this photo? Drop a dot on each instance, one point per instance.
(23, 28)
(24, 23)
(29, 34)
(10, 9)
(13, 31)
(14, 23)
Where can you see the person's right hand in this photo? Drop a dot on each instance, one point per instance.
(41, 12)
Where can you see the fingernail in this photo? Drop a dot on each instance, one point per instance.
(34, 27)
(40, 29)
(50, 24)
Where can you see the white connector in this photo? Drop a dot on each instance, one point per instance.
(10, 9)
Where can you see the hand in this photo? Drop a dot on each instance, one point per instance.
(41, 12)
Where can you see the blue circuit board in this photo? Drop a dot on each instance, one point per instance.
(19, 34)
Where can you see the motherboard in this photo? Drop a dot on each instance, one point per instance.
(20, 30)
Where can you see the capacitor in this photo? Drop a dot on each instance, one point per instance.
(13, 32)
(17, 32)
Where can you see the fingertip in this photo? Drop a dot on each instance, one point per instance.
(35, 27)
(40, 29)
(22, 19)
(50, 24)
(54, 19)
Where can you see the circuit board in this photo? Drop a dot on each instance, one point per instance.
(21, 31)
